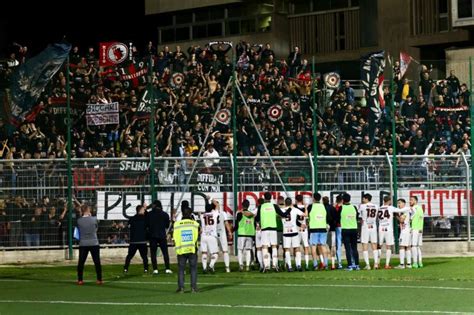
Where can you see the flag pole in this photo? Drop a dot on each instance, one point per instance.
(69, 166)
(394, 150)
(152, 131)
(315, 126)
(235, 189)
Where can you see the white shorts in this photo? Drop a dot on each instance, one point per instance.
(209, 244)
(416, 238)
(269, 238)
(258, 239)
(405, 238)
(368, 234)
(244, 242)
(304, 238)
(386, 236)
(223, 245)
(291, 241)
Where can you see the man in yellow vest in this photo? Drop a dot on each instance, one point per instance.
(318, 231)
(185, 236)
(349, 218)
(246, 234)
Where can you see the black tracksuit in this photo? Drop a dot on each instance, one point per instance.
(138, 231)
(158, 223)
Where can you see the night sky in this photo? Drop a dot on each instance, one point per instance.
(84, 23)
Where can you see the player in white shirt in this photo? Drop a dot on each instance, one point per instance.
(209, 244)
(303, 229)
(368, 214)
(385, 219)
(223, 229)
(405, 234)
(291, 236)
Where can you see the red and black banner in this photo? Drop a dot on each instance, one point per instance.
(372, 67)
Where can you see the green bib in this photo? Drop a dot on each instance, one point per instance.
(417, 220)
(268, 216)
(348, 217)
(317, 216)
(246, 226)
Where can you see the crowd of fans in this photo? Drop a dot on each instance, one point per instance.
(432, 117)
(425, 109)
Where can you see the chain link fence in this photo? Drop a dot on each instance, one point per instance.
(33, 193)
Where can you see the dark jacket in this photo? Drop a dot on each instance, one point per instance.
(158, 223)
(138, 227)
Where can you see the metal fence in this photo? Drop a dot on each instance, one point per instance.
(33, 193)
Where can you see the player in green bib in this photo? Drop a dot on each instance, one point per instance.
(349, 217)
(246, 234)
(417, 223)
(266, 219)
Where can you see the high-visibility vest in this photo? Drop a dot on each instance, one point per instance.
(317, 216)
(246, 226)
(417, 221)
(348, 217)
(268, 216)
(185, 236)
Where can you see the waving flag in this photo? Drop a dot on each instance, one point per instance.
(405, 60)
(372, 67)
(29, 80)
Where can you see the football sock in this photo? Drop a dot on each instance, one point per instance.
(315, 263)
(414, 254)
(240, 257)
(275, 258)
(376, 257)
(333, 261)
(288, 259)
(260, 258)
(402, 256)
(298, 259)
(387, 260)
(204, 261)
(248, 257)
(306, 259)
(266, 258)
(213, 260)
(366, 257)
(420, 258)
(321, 258)
(226, 260)
(408, 254)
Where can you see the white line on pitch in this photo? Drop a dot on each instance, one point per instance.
(237, 306)
(302, 285)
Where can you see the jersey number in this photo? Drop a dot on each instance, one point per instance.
(384, 214)
(209, 220)
(371, 213)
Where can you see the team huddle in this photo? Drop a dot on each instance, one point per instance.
(316, 231)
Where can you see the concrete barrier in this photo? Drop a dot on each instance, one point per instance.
(117, 255)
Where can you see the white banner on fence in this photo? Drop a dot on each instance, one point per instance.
(121, 205)
(102, 114)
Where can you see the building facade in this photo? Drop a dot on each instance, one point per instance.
(330, 30)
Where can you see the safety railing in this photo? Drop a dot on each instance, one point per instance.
(33, 193)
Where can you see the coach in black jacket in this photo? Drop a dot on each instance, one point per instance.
(158, 223)
(137, 225)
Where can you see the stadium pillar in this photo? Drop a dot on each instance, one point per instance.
(235, 173)
(69, 166)
(315, 125)
(394, 154)
(471, 111)
(152, 130)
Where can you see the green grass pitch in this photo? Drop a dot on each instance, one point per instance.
(443, 286)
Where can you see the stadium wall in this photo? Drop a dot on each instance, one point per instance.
(117, 255)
